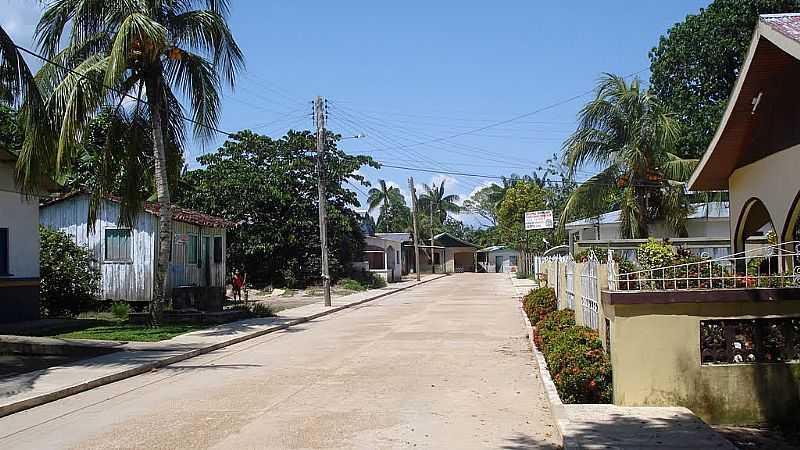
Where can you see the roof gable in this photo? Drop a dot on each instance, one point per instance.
(760, 98)
(448, 240)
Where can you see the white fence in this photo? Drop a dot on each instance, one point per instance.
(590, 292)
(569, 268)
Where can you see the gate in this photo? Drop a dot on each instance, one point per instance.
(589, 292)
(569, 269)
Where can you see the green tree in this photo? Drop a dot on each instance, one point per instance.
(383, 196)
(484, 203)
(269, 187)
(435, 201)
(629, 133)
(695, 65)
(520, 198)
(154, 52)
(70, 275)
(396, 217)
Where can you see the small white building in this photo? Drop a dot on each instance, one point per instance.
(19, 247)
(128, 256)
(497, 259)
(385, 257)
(707, 222)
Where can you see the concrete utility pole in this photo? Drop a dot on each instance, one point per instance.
(414, 221)
(319, 115)
(433, 252)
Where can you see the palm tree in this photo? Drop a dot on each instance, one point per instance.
(629, 133)
(433, 199)
(384, 196)
(134, 57)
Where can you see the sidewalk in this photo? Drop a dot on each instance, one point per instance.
(522, 285)
(604, 426)
(42, 386)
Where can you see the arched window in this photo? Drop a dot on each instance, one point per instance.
(791, 231)
(754, 226)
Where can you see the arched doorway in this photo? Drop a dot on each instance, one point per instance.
(755, 229)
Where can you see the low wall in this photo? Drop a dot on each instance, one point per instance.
(19, 299)
(656, 360)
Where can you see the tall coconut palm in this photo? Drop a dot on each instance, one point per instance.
(627, 132)
(433, 199)
(136, 56)
(383, 196)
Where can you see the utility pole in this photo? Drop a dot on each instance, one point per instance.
(414, 221)
(319, 115)
(433, 252)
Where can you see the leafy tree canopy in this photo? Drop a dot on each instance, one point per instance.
(270, 187)
(522, 197)
(695, 65)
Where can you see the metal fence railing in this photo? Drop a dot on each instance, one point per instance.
(569, 272)
(590, 292)
(773, 266)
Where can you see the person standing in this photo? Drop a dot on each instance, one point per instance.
(238, 283)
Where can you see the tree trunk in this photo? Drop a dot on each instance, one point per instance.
(160, 291)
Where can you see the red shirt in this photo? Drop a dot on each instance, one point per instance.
(237, 281)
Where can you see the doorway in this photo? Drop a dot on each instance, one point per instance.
(498, 264)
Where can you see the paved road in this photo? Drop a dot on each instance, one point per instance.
(445, 365)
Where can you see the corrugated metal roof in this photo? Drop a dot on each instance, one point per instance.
(714, 210)
(785, 24)
(179, 214)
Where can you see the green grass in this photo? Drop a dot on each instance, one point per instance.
(127, 332)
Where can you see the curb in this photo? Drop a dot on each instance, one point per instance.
(557, 408)
(39, 400)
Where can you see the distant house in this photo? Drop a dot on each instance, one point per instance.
(455, 255)
(128, 256)
(19, 247)
(707, 228)
(497, 259)
(384, 257)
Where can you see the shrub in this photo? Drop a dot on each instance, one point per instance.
(261, 310)
(654, 254)
(120, 310)
(70, 278)
(350, 285)
(539, 302)
(552, 325)
(580, 367)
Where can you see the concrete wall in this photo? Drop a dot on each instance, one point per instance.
(656, 362)
(393, 254)
(19, 291)
(774, 180)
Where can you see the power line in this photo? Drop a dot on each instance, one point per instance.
(521, 116)
(118, 91)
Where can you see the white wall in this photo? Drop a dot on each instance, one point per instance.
(392, 259)
(506, 255)
(20, 214)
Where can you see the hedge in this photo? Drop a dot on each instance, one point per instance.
(580, 368)
(539, 302)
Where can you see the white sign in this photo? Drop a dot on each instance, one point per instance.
(539, 220)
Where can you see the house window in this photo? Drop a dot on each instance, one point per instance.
(217, 249)
(192, 253)
(397, 259)
(118, 245)
(512, 260)
(436, 258)
(4, 251)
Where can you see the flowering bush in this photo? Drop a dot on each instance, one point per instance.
(540, 302)
(578, 364)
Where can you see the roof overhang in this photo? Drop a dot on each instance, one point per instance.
(775, 46)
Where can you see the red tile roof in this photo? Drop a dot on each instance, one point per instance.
(785, 24)
(179, 214)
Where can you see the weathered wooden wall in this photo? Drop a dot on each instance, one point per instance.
(132, 281)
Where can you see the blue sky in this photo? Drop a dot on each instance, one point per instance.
(405, 73)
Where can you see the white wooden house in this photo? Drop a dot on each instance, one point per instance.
(128, 256)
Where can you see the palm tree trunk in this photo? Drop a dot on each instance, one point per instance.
(165, 204)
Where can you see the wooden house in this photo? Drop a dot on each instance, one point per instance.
(128, 256)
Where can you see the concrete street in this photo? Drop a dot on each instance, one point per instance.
(444, 365)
